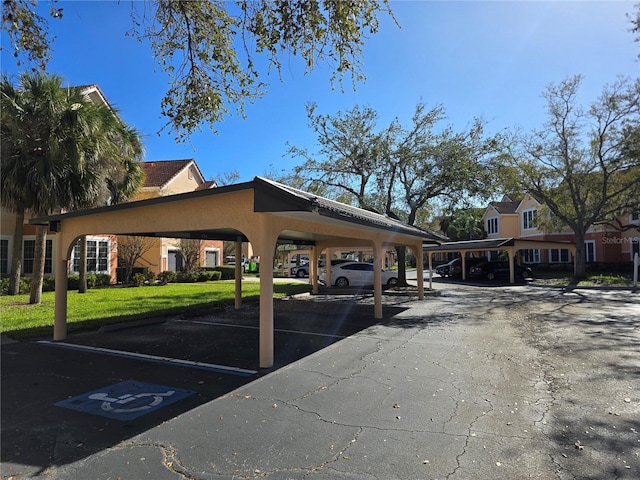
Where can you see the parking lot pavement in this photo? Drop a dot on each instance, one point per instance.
(476, 383)
(207, 356)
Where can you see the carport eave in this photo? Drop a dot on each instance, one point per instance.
(269, 197)
(496, 244)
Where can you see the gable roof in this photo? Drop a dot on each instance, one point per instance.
(160, 173)
(508, 205)
(269, 197)
(331, 208)
(505, 208)
(207, 185)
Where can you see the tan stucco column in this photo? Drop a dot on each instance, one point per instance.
(238, 274)
(512, 277)
(327, 266)
(265, 246)
(377, 280)
(463, 264)
(315, 281)
(418, 252)
(430, 256)
(61, 276)
(313, 269)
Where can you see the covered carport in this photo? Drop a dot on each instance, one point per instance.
(261, 212)
(510, 245)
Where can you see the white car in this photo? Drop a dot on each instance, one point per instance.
(357, 274)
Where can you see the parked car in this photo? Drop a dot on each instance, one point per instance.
(443, 270)
(358, 274)
(303, 270)
(455, 269)
(294, 262)
(300, 271)
(491, 270)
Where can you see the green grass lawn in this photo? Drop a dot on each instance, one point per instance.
(98, 307)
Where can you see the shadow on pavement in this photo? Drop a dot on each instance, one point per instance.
(37, 435)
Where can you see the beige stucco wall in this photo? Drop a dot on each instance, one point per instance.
(508, 225)
(186, 181)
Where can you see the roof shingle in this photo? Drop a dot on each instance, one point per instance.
(159, 173)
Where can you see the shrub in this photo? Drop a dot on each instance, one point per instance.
(121, 272)
(151, 277)
(49, 284)
(187, 277)
(227, 272)
(91, 280)
(166, 277)
(138, 279)
(73, 282)
(102, 280)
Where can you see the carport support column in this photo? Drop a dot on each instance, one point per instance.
(266, 245)
(419, 254)
(238, 273)
(430, 255)
(377, 280)
(512, 277)
(61, 276)
(313, 269)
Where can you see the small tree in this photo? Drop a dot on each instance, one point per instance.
(464, 224)
(130, 250)
(190, 250)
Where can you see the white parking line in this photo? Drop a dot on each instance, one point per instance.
(257, 328)
(153, 358)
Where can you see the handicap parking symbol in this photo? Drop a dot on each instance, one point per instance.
(125, 400)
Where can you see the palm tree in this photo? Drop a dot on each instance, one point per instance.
(59, 152)
(122, 176)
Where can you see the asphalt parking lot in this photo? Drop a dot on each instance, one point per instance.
(491, 382)
(207, 356)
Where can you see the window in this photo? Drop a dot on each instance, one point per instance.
(635, 217)
(529, 219)
(492, 225)
(4, 256)
(28, 254)
(559, 255)
(590, 251)
(531, 255)
(97, 256)
(362, 266)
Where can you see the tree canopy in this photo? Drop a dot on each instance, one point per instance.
(395, 170)
(211, 49)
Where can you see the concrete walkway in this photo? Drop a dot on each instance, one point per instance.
(477, 383)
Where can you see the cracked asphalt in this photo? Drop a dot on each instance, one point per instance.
(491, 382)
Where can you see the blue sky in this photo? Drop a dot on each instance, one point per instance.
(478, 59)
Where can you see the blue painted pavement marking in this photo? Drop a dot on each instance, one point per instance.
(125, 400)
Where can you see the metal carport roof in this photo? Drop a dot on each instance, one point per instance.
(511, 245)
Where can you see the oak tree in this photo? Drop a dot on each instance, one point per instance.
(584, 164)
